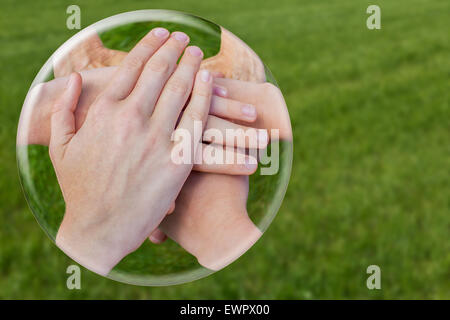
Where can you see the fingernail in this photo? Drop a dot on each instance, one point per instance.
(205, 75)
(263, 137)
(220, 91)
(180, 36)
(250, 163)
(195, 51)
(160, 32)
(249, 111)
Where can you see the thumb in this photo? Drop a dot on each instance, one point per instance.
(63, 118)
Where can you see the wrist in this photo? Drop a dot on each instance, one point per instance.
(93, 250)
(234, 239)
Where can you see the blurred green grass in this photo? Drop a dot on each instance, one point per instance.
(369, 184)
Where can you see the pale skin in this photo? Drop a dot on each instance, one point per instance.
(215, 229)
(89, 54)
(235, 99)
(35, 120)
(119, 191)
(213, 203)
(235, 60)
(235, 233)
(222, 215)
(259, 104)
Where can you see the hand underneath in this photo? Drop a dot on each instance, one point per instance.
(218, 213)
(271, 110)
(210, 219)
(34, 127)
(88, 54)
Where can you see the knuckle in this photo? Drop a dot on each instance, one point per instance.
(195, 115)
(178, 85)
(203, 91)
(150, 43)
(159, 65)
(175, 45)
(134, 63)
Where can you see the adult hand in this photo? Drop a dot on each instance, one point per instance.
(88, 54)
(34, 127)
(210, 220)
(202, 213)
(116, 172)
(271, 110)
(235, 60)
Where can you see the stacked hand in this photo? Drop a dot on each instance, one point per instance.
(119, 191)
(110, 143)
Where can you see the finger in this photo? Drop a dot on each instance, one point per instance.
(172, 208)
(157, 236)
(177, 89)
(217, 159)
(196, 112)
(63, 118)
(247, 92)
(232, 109)
(220, 131)
(220, 91)
(267, 99)
(131, 67)
(157, 71)
(217, 74)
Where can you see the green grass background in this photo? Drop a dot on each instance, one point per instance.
(370, 177)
